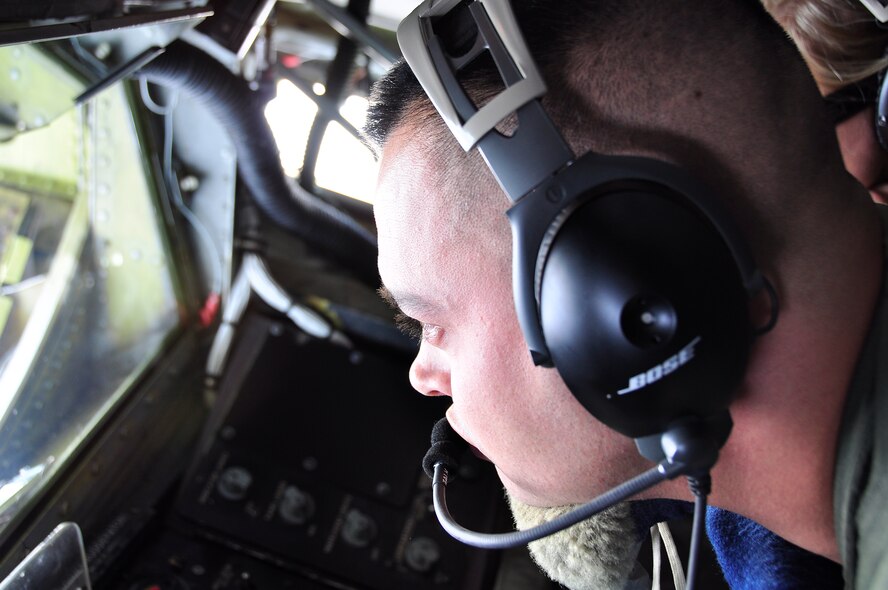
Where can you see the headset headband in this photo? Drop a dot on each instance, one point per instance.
(536, 150)
(878, 8)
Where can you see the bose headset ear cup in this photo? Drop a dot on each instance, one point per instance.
(663, 347)
(636, 284)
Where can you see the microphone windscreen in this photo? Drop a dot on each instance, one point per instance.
(446, 448)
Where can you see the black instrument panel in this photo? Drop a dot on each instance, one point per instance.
(308, 476)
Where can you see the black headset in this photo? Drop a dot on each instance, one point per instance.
(628, 275)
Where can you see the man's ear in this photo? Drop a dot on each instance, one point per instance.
(764, 307)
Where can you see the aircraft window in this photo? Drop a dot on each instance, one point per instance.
(87, 297)
(290, 114)
(345, 165)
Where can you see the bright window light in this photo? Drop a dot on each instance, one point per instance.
(290, 115)
(344, 165)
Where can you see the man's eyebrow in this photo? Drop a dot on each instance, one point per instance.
(413, 303)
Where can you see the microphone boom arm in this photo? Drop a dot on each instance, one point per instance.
(646, 480)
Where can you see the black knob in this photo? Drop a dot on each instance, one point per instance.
(296, 506)
(422, 554)
(358, 530)
(234, 483)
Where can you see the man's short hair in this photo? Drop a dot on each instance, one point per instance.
(701, 82)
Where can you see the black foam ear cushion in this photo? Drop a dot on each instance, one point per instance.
(644, 310)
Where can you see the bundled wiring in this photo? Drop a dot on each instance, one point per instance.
(264, 285)
(678, 574)
(661, 535)
(254, 277)
(232, 312)
(657, 558)
(218, 289)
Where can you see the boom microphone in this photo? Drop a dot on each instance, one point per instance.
(446, 448)
(443, 457)
(686, 453)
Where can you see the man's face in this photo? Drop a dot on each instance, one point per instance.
(864, 157)
(547, 449)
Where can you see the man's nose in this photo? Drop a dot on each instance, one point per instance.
(430, 373)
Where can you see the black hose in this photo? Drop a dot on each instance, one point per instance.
(241, 111)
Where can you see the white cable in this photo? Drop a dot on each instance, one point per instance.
(20, 286)
(240, 296)
(309, 321)
(149, 102)
(176, 195)
(678, 574)
(166, 111)
(657, 558)
(264, 285)
(231, 315)
(254, 277)
(84, 54)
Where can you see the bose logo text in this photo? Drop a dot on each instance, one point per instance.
(657, 372)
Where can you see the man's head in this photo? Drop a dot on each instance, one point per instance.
(840, 40)
(713, 87)
(843, 45)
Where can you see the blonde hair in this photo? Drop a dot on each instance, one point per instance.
(839, 39)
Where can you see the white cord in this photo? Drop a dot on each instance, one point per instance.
(234, 309)
(657, 558)
(254, 277)
(166, 111)
(678, 574)
(187, 213)
(305, 318)
(20, 286)
(264, 285)
(149, 102)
